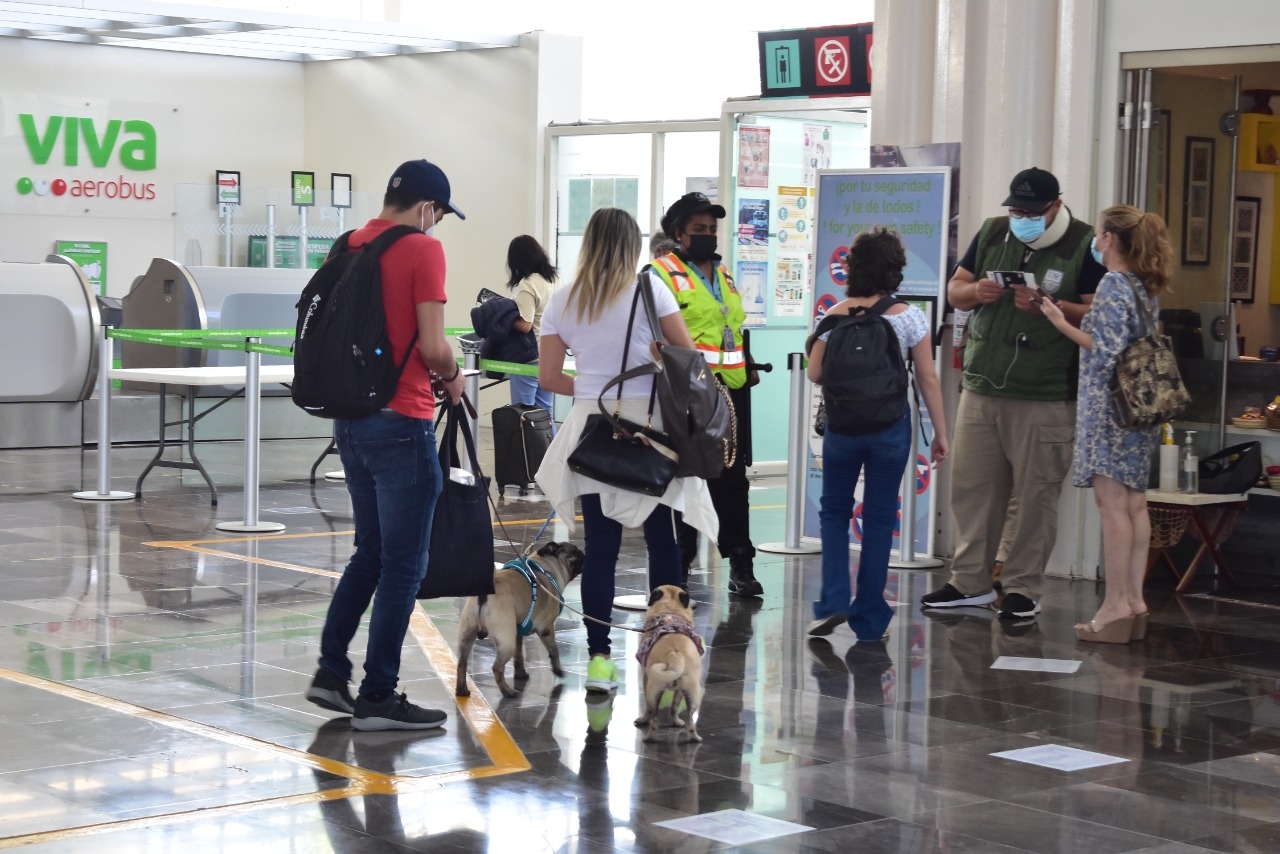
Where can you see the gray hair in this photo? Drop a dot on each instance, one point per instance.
(660, 244)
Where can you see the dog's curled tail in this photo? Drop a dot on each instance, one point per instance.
(672, 666)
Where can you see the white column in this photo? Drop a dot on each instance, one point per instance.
(903, 71)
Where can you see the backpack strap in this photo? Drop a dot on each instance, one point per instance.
(375, 248)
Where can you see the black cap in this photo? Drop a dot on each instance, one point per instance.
(426, 181)
(1032, 188)
(685, 207)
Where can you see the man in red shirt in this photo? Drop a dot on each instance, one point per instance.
(392, 470)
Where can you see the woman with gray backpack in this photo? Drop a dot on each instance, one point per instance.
(859, 354)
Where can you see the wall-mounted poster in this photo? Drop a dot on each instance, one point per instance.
(817, 151)
(752, 280)
(91, 256)
(753, 222)
(1197, 202)
(753, 157)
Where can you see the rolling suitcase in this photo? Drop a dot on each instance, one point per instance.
(521, 435)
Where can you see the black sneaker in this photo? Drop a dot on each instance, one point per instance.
(329, 691)
(395, 712)
(949, 597)
(1018, 607)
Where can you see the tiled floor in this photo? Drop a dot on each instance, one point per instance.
(151, 673)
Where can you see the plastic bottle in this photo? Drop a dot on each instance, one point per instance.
(1168, 460)
(1189, 466)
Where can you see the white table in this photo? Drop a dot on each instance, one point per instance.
(1191, 503)
(189, 379)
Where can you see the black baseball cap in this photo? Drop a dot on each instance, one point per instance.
(685, 207)
(1032, 188)
(425, 180)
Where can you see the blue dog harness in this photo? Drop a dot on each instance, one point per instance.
(527, 567)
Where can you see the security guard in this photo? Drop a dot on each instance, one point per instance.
(712, 309)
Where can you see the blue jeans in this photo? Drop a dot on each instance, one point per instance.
(393, 476)
(603, 541)
(883, 456)
(527, 391)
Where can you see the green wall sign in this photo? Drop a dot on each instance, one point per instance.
(92, 258)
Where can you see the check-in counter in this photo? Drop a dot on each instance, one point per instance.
(173, 296)
(49, 324)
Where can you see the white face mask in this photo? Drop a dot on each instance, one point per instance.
(423, 221)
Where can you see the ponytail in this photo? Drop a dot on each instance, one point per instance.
(1144, 244)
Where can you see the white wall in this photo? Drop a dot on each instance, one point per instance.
(219, 113)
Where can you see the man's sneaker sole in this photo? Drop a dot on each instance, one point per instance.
(1021, 615)
(331, 700)
(824, 626)
(966, 602)
(375, 724)
(601, 687)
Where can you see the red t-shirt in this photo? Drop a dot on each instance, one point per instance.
(412, 273)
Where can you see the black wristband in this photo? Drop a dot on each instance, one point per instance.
(457, 370)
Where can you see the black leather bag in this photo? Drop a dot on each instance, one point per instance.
(1232, 471)
(621, 453)
(460, 558)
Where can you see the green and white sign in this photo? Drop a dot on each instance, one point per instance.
(304, 189)
(287, 251)
(92, 258)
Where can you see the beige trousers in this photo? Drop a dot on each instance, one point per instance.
(1005, 447)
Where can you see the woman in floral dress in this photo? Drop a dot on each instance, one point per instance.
(1116, 460)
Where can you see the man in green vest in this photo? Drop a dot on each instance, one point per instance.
(712, 309)
(1016, 422)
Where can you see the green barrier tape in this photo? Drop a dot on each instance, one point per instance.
(150, 336)
(450, 332)
(269, 350)
(513, 368)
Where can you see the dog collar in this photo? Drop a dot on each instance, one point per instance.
(527, 567)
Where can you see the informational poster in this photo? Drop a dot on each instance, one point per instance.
(287, 251)
(795, 218)
(752, 279)
(753, 157)
(790, 281)
(817, 151)
(753, 222)
(709, 187)
(914, 203)
(92, 258)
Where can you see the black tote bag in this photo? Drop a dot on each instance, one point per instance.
(460, 559)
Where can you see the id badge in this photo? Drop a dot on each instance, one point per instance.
(727, 345)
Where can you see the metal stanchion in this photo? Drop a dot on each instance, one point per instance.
(302, 238)
(271, 236)
(907, 530)
(104, 491)
(797, 466)
(471, 362)
(252, 451)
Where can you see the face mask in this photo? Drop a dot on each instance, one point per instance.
(702, 247)
(1093, 250)
(1027, 229)
(423, 221)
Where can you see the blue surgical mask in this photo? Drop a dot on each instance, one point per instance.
(1093, 250)
(1027, 229)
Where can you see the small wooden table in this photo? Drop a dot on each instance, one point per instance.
(1192, 503)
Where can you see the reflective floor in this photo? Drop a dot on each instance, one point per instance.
(152, 670)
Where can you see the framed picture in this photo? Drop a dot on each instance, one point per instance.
(302, 186)
(340, 187)
(1197, 202)
(1244, 248)
(1160, 164)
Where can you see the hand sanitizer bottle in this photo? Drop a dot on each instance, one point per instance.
(1189, 465)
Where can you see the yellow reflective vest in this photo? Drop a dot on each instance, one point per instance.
(708, 318)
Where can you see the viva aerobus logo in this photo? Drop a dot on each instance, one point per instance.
(134, 139)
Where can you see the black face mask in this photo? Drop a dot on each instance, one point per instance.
(702, 247)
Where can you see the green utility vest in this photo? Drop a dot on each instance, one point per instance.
(1046, 366)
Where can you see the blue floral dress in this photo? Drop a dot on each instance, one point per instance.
(1103, 446)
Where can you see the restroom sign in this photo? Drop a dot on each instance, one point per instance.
(816, 62)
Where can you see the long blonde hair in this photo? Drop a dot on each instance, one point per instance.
(1144, 244)
(607, 262)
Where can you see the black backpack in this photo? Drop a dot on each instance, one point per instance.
(342, 360)
(864, 377)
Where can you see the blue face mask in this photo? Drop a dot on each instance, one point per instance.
(1027, 229)
(1093, 250)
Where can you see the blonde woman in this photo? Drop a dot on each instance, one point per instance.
(590, 317)
(1115, 460)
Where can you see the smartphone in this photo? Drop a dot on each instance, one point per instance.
(1009, 278)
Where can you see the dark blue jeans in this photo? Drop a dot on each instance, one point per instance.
(883, 457)
(603, 541)
(393, 476)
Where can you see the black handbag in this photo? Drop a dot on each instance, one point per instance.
(1232, 471)
(1146, 387)
(460, 558)
(621, 453)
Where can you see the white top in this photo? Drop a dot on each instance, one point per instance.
(597, 345)
(911, 326)
(532, 295)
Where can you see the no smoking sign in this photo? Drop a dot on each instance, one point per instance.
(831, 60)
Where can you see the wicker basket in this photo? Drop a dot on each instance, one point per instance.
(1274, 480)
(1168, 524)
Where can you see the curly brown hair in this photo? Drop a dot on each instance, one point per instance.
(875, 262)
